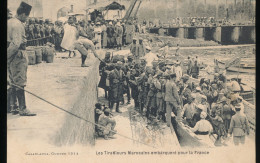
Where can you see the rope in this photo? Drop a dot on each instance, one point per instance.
(79, 116)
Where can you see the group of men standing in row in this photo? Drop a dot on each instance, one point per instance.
(161, 91)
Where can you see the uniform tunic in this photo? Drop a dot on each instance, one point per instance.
(116, 79)
(17, 60)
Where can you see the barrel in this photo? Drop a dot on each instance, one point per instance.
(38, 54)
(49, 54)
(31, 57)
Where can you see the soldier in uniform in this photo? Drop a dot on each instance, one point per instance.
(117, 81)
(133, 49)
(102, 72)
(151, 96)
(31, 31)
(239, 127)
(172, 99)
(142, 89)
(141, 48)
(110, 34)
(108, 122)
(42, 31)
(134, 88)
(16, 59)
(119, 35)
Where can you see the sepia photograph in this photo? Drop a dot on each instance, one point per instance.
(131, 81)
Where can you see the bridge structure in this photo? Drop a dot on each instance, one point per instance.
(232, 34)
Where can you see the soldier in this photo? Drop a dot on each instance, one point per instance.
(159, 96)
(119, 35)
(107, 121)
(103, 73)
(151, 96)
(134, 88)
(142, 89)
(16, 59)
(239, 127)
(97, 32)
(141, 48)
(117, 80)
(133, 49)
(189, 110)
(42, 31)
(195, 70)
(172, 99)
(31, 31)
(110, 34)
(104, 35)
(178, 70)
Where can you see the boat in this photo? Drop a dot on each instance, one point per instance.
(244, 67)
(187, 138)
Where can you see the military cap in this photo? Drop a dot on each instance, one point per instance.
(25, 8)
(198, 89)
(237, 106)
(148, 48)
(216, 74)
(185, 77)
(130, 57)
(223, 99)
(177, 62)
(233, 98)
(107, 110)
(134, 38)
(204, 97)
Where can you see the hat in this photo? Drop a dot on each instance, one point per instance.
(193, 95)
(110, 23)
(203, 115)
(204, 97)
(107, 110)
(130, 57)
(216, 74)
(223, 99)
(134, 38)
(177, 62)
(185, 77)
(198, 89)
(140, 38)
(25, 8)
(98, 23)
(237, 106)
(204, 85)
(148, 48)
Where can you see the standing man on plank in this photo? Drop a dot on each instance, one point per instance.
(16, 59)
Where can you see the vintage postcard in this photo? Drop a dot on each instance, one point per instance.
(131, 81)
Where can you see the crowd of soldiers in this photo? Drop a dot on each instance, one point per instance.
(195, 21)
(39, 32)
(163, 90)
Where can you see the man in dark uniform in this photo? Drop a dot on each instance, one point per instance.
(102, 72)
(110, 35)
(117, 80)
(142, 89)
(133, 85)
(16, 59)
